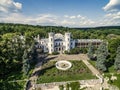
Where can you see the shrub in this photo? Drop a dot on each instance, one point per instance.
(83, 50)
(75, 51)
(66, 52)
(55, 53)
(61, 87)
(75, 85)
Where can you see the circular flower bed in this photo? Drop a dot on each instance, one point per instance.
(63, 65)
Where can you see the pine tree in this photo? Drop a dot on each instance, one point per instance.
(26, 67)
(102, 53)
(26, 63)
(117, 59)
(100, 64)
(102, 49)
(91, 51)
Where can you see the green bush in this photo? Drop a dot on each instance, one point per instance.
(75, 51)
(83, 50)
(61, 87)
(66, 52)
(55, 53)
(75, 86)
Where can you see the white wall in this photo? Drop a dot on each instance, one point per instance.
(51, 43)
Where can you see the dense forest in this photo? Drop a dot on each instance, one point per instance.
(16, 54)
(83, 33)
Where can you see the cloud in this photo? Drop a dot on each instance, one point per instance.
(72, 17)
(76, 21)
(47, 19)
(55, 20)
(110, 19)
(113, 5)
(67, 23)
(9, 6)
(113, 16)
(42, 19)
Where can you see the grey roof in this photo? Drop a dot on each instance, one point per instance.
(88, 40)
(44, 40)
(59, 39)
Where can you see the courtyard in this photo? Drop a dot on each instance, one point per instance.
(49, 77)
(78, 71)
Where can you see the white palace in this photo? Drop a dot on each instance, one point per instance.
(60, 43)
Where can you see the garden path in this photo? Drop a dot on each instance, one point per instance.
(92, 68)
(34, 76)
(68, 57)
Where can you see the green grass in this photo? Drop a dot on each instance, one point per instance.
(113, 71)
(114, 82)
(108, 74)
(78, 71)
(92, 62)
(117, 82)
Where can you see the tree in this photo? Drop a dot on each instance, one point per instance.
(90, 51)
(26, 63)
(102, 49)
(11, 53)
(26, 66)
(117, 59)
(101, 63)
(112, 46)
(102, 53)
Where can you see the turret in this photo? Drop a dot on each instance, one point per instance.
(67, 41)
(51, 42)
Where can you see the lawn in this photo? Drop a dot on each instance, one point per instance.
(78, 71)
(108, 74)
(117, 82)
(92, 62)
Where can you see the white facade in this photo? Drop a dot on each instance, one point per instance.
(60, 43)
(56, 42)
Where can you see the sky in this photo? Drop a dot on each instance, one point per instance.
(68, 13)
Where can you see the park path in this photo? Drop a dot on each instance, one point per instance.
(91, 67)
(68, 57)
(33, 78)
(35, 73)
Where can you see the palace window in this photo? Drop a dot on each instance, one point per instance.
(56, 44)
